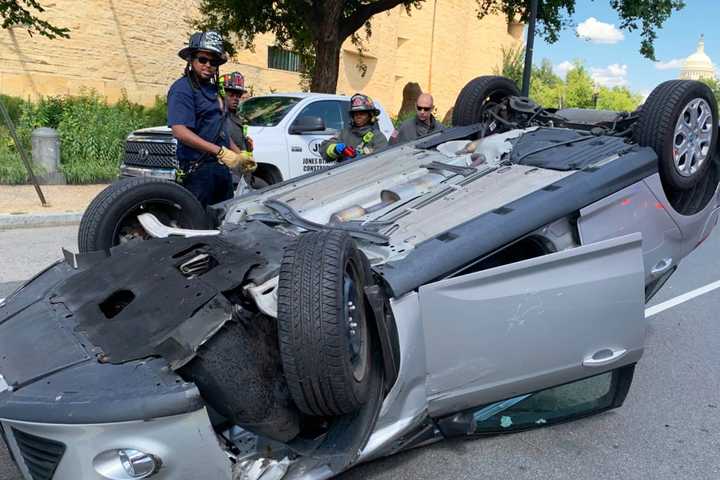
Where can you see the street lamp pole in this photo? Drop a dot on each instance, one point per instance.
(529, 48)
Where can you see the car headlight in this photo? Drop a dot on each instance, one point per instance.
(126, 464)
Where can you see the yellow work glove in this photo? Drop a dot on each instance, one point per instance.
(237, 161)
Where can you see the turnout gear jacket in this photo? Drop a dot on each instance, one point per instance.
(364, 140)
(238, 132)
(413, 128)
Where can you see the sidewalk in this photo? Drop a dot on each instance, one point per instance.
(21, 207)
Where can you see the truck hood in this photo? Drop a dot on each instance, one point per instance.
(160, 130)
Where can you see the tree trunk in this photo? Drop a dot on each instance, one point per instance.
(327, 64)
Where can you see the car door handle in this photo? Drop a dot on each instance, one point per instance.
(295, 148)
(661, 266)
(603, 357)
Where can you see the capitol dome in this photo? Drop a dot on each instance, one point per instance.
(698, 65)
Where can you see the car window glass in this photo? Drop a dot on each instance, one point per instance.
(328, 110)
(265, 111)
(548, 406)
(345, 112)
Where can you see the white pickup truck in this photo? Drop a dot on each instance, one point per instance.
(285, 129)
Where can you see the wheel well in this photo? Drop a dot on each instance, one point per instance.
(270, 173)
(692, 201)
(528, 247)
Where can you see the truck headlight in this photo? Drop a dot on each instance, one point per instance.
(126, 464)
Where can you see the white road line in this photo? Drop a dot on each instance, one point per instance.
(655, 309)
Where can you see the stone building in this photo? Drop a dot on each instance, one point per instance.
(132, 45)
(698, 65)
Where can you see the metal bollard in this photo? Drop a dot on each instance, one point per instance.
(46, 154)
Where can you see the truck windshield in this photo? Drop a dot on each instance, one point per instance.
(265, 111)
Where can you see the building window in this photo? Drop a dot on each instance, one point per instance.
(283, 59)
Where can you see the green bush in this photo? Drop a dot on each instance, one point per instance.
(12, 170)
(156, 115)
(397, 121)
(14, 106)
(92, 134)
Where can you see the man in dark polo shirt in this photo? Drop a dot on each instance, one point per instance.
(421, 124)
(196, 115)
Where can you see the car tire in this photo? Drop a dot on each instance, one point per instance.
(323, 324)
(480, 92)
(258, 183)
(110, 218)
(269, 173)
(666, 123)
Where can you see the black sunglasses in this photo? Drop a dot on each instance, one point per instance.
(423, 109)
(214, 62)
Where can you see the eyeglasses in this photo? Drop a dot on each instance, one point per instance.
(214, 62)
(423, 109)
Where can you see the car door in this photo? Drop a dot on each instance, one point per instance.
(305, 147)
(531, 325)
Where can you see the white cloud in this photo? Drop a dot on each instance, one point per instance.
(673, 64)
(599, 32)
(614, 75)
(562, 69)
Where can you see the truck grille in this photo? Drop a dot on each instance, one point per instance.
(151, 154)
(41, 455)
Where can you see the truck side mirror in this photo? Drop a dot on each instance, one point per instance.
(307, 124)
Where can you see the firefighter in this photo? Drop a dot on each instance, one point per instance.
(361, 137)
(233, 86)
(196, 115)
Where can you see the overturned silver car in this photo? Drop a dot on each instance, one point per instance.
(486, 279)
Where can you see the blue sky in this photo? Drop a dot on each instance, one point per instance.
(618, 60)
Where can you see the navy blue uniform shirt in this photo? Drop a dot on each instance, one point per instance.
(199, 110)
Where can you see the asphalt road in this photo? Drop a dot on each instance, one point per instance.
(669, 427)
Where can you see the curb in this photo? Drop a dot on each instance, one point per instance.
(8, 221)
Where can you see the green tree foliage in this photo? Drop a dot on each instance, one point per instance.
(648, 16)
(576, 91)
(23, 13)
(512, 64)
(579, 88)
(316, 29)
(619, 99)
(714, 85)
(546, 88)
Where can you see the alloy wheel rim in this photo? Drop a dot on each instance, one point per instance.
(692, 137)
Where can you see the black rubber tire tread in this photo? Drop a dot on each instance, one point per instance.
(99, 220)
(469, 103)
(269, 173)
(314, 344)
(656, 127)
